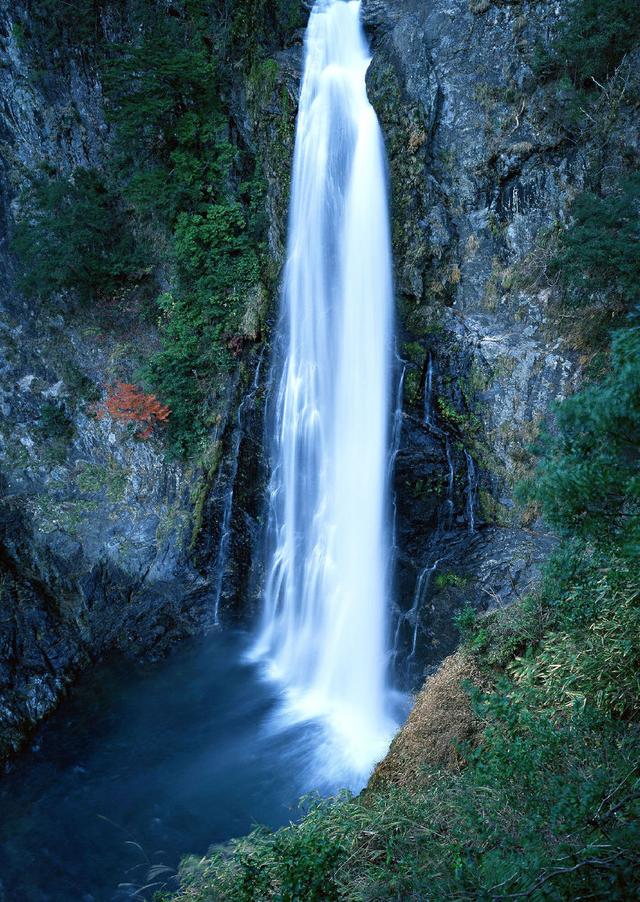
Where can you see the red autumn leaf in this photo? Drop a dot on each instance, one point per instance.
(128, 404)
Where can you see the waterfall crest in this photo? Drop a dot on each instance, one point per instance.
(324, 627)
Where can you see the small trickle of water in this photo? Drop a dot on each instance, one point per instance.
(222, 556)
(428, 393)
(445, 519)
(472, 487)
(325, 603)
(421, 594)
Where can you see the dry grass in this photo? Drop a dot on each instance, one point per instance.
(440, 721)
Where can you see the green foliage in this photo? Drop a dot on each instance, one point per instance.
(180, 171)
(444, 580)
(55, 422)
(184, 197)
(591, 42)
(598, 665)
(72, 234)
(588, 480)
(599, 254)
(218, 269)
(76, 21)
(110, 480)
(163, 99)
(537, 806)
(260, 25)
(298, 864)
(55, 430)
(458, 421)
(78, 384)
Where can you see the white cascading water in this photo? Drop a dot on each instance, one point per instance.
(323, 632)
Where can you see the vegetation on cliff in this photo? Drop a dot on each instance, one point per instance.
(538, 793)
(539, 796)
(177, 217)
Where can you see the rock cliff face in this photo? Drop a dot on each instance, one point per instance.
(91, 520)
(106, 543)
(480, 170)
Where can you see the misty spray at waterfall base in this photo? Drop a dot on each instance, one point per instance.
(323, 634)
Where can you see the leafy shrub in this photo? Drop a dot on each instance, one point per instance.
(218, 269)
(76, 20)
(72, 234)
(598, 666)
(179, 169)
(55, 422)
(127, 404)
(160, 91)
(591, 41)
(56, 430)
(599, 254)
(183, 195)
(544, 802)
(444, 580)
(588, 480)
(258, 25)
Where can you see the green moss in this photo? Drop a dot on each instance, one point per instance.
(493, 511)
(53, 514)
(109, 479)
(503, 366)
(453, 580)
(200, 492)
(474, 382)
(411, 387)
(467, 424)
(413, 351)
(19, 35)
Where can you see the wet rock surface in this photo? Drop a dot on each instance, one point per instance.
(479, 170)
(102, 535)
(105, 543)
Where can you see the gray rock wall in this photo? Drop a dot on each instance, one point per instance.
(480, 168)
(106, 543)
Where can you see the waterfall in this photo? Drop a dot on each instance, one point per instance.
(324, 622)
(428, 393)
(222, 556)
(445, 519)
(472, 486)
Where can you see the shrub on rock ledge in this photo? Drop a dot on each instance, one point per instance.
(128, 404)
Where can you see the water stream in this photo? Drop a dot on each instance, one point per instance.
(222, 556)
(143, 764)
(471, 492)
(428, 392)
(324, 629)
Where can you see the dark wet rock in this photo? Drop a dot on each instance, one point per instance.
(105, 544)
(478, 170)
(101, 535)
